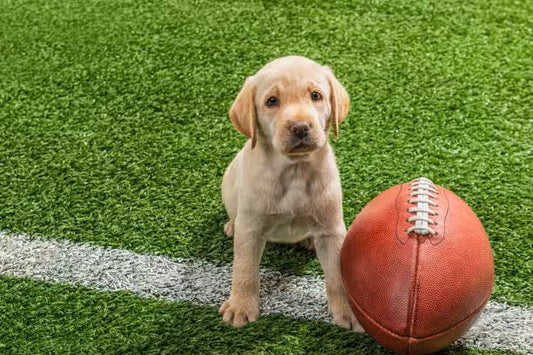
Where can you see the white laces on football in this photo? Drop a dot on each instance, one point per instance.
(422, 190)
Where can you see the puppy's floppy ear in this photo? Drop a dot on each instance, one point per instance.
(242, 113)
(339, 99)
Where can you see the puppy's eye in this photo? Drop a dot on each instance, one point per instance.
(315, 96)
(272, 101)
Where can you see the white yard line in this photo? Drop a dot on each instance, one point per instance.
(500, 326)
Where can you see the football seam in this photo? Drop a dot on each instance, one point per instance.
(390, 332)
(413, 299)
(397, 214)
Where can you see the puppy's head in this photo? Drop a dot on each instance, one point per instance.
(290, 103)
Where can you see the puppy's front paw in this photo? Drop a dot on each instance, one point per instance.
(238, 311)
(343, 316)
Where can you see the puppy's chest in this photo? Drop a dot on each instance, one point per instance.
(292, 202)
(297, 188)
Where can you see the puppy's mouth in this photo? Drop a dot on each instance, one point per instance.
(301, 146)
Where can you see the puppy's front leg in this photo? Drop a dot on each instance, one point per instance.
(328, 251)
(243, 304)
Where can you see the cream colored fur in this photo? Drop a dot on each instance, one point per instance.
(277, 191)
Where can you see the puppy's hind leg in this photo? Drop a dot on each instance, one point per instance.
(229, 228)
(307, 244)
(229, 196)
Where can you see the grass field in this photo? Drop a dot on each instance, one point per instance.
(114, 131)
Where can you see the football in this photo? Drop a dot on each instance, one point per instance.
(417, 267)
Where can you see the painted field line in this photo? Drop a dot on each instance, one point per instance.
(499, 327)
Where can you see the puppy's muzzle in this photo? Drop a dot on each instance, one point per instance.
(300, 130)
(301, 139)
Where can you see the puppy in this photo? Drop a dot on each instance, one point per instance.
(284, 186)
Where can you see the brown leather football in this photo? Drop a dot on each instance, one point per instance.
(417, 267)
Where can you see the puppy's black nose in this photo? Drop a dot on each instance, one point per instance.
(300, 129)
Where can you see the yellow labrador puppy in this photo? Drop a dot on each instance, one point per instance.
(284, 186)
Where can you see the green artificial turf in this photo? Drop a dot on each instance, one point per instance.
(55, 319)
(114, 129)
